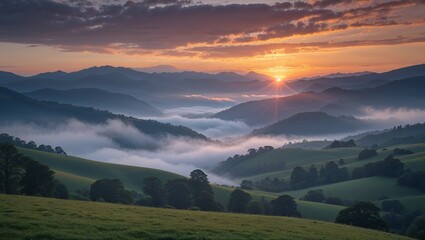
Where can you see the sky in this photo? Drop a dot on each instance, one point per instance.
(284, 39)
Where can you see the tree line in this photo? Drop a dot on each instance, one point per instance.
(194, 193)
(23, 175)
(6, 138)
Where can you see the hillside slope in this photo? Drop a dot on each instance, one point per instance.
(312, 124)
(335, 101)
(77, 173)
(96, 98)
(18, 108)
(41, 218)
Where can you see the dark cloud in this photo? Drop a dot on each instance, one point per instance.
(253, 50)
(160, 26)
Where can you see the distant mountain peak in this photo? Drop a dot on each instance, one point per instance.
(159, 69)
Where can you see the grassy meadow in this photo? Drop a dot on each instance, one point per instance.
(23, 217)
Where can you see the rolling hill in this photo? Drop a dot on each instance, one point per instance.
(357, 81)
(17, 108)
(99, 99)
(405, 93)
(313, 124)
(77, 173)
(42, 218)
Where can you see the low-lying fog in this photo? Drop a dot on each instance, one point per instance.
(99, 142)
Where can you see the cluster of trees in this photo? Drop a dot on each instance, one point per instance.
(342, 144)
(408, 134)
(413, 180)
(266, 184)
(241, 202)
(317, 195)
(330, 173)
(230, 165)
(389, 167)
(195, 193)
(399, 220)
(110, 190)
(6, 138)
(362, 214)
(333, 173)
(22, 175)
(396, 219)
(367, 153)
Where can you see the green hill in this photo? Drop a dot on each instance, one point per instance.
(78, 173)
(312, 124)
(283, 159)
(36, 218)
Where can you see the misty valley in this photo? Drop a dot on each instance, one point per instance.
(299, 155)
(212, 119)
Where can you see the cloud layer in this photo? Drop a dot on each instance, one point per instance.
(182, 27)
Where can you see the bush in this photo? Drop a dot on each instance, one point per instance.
(367, 153)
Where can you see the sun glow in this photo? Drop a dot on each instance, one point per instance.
(278, 79)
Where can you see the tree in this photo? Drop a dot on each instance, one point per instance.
(285, 205)
(37, 179)
(314, 196)
(247, 185)
(61, 191)
(392, 206)
(152, 186)
(11, 168)
(255, 207)
(298, 177)
(178, 194)
(206, 202)
(202, 193)
(362, 214)
(238, 201)
(417, 228)
(392, 167)
(367, 153)
(110, 190)
(59, 150)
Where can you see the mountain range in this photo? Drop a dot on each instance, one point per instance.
(17, 108)
(96, 98)
(407, 93)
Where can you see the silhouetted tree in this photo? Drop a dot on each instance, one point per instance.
(11, 168)
(152, 186)
(285, 205)
(178, 193)
(247, 185)
(314, 196)
(298, 178)
(392, 206)
(255, 207)
(202, 193)
(37, 179)
(61, 191)
(367, 153)
(362, 214)
(238, 201)
(110, 190)
(413, 180)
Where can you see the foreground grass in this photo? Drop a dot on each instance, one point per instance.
(35, 218)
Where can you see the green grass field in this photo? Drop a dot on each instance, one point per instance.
(34, 218)
(77, 173)
(365, 189)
